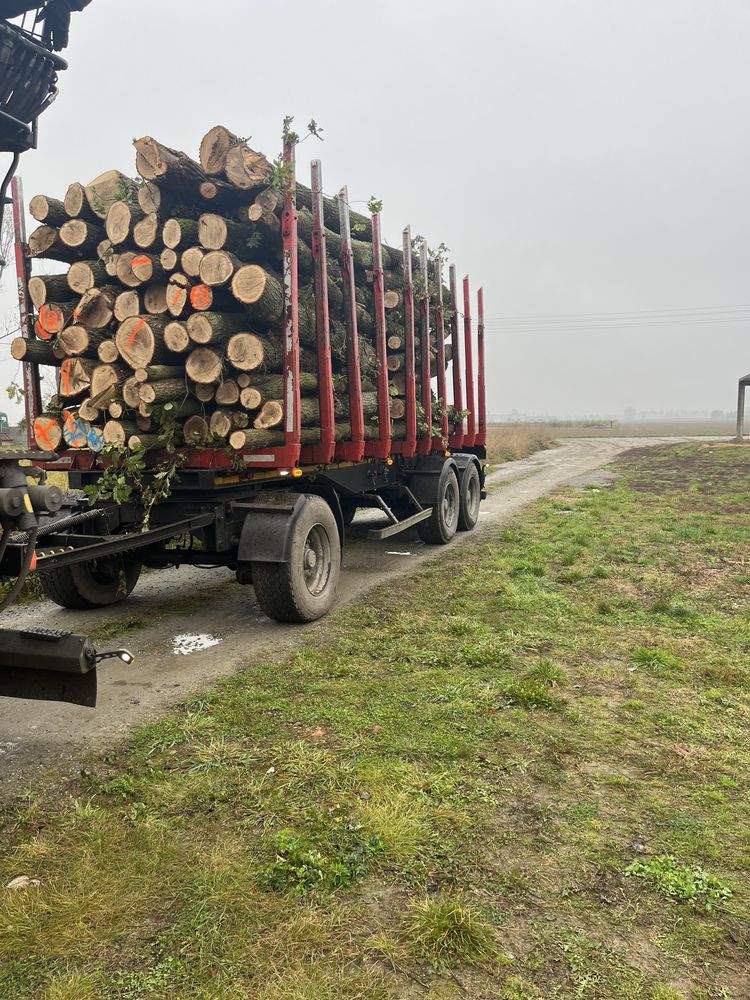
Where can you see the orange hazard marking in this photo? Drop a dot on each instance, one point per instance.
(41, 332)
(200, 297)
(136, 261)
(136, 330)
(175, 293)
(49, 319)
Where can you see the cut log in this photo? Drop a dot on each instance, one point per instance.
(203, 298)
(146, 232)
(397, 407)
(218, 266)
(140, 340)
(75, 203)
(47, 433)
(176, 338)
(146, 267)
(214, 147)
(260, 292)
(79, 433)
(53, 316)
(271, 414)
(83, 237)
(154, 161)
(217, 233)
(178, 293)
(164, 391)
(127, 304)
(213, 328)
(38, 351)
(75, 376)
(246, 169)
(204, 366)
(195, 430)
(118, 431)
(190, 261)
(45, 244)
(168, 259)
(143, 421)
(131, 393)
(111, 263)
(76, 340)
(87, 410)
(157, 373)
(205, 393)
(144, 441)
(105, 384)
(49, 210)
(243, 380)
(107, 352)
(107, 188)
(261, 216)
(49, 288)
(95, 308)
(249, 352)
(227, 393)
(124, 269)
(179, 233)
(395, 343)
(155, 299)
(116, 409)
(220, 424)
(85, 274)
(272, 386)
(121, 221)
(250, 398)
(155, 198)
(392, 299)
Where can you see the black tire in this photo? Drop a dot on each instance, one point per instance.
(470, 497)
(304, 588)
(94, 584)
(442, 524)
(348, 513)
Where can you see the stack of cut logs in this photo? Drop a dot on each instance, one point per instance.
(171, 312)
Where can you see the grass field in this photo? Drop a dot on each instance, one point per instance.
(635, 428)
(508, 442)
(523, 777)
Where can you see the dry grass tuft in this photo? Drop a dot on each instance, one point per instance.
(507, 442)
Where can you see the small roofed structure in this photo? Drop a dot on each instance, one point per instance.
(744, 382)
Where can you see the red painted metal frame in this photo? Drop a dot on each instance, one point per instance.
(438, 444)
(382, 447)
(321, 453)
(424, 445)
(31, 381)
(408, 446)
(471, 419)
(286, 456)
(456, 439)
(481, 436)
(354, 449)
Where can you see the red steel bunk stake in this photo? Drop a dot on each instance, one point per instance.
(382, 447)
(425, 440)
(289, 454)
(352, 450)
(471, 419)
(456, 439)
(438, 444)
(31, 382)
(323, 452)
(481, 436)
(408, 446)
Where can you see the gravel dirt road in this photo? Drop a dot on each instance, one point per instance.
(189, 601)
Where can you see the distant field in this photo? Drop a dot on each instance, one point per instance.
(624, 428)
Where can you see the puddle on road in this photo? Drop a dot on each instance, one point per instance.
(184, 645)
(398, 553)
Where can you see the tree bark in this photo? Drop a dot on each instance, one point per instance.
(40, 352)
(157, 373)
(118, 431)
(107, 188)
(163, 391)
(45, 244)
(179, 171)
(203, 391)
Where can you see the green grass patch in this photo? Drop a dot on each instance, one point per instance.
(443, 791)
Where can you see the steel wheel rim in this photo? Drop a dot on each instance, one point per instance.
(472, 496)
(316, 560)
(450, 504)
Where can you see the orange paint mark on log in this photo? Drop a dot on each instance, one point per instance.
(136, 330)
(200, 297)
(41, 431)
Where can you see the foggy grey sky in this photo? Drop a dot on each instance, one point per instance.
(586, 156)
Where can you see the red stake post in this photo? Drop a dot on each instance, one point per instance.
(321, 453)
(353, 449)
(438, 444)
(382, 447)
(456, 439)
(471, 419)
(408, 446)
(424, 446)
(31, 382)
(481, 436)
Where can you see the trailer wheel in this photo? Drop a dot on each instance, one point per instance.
(93, 584)
(348, 513)
(469, 499)
(442, 523)
(304, 588)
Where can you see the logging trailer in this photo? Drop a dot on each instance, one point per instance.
(277, 516)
